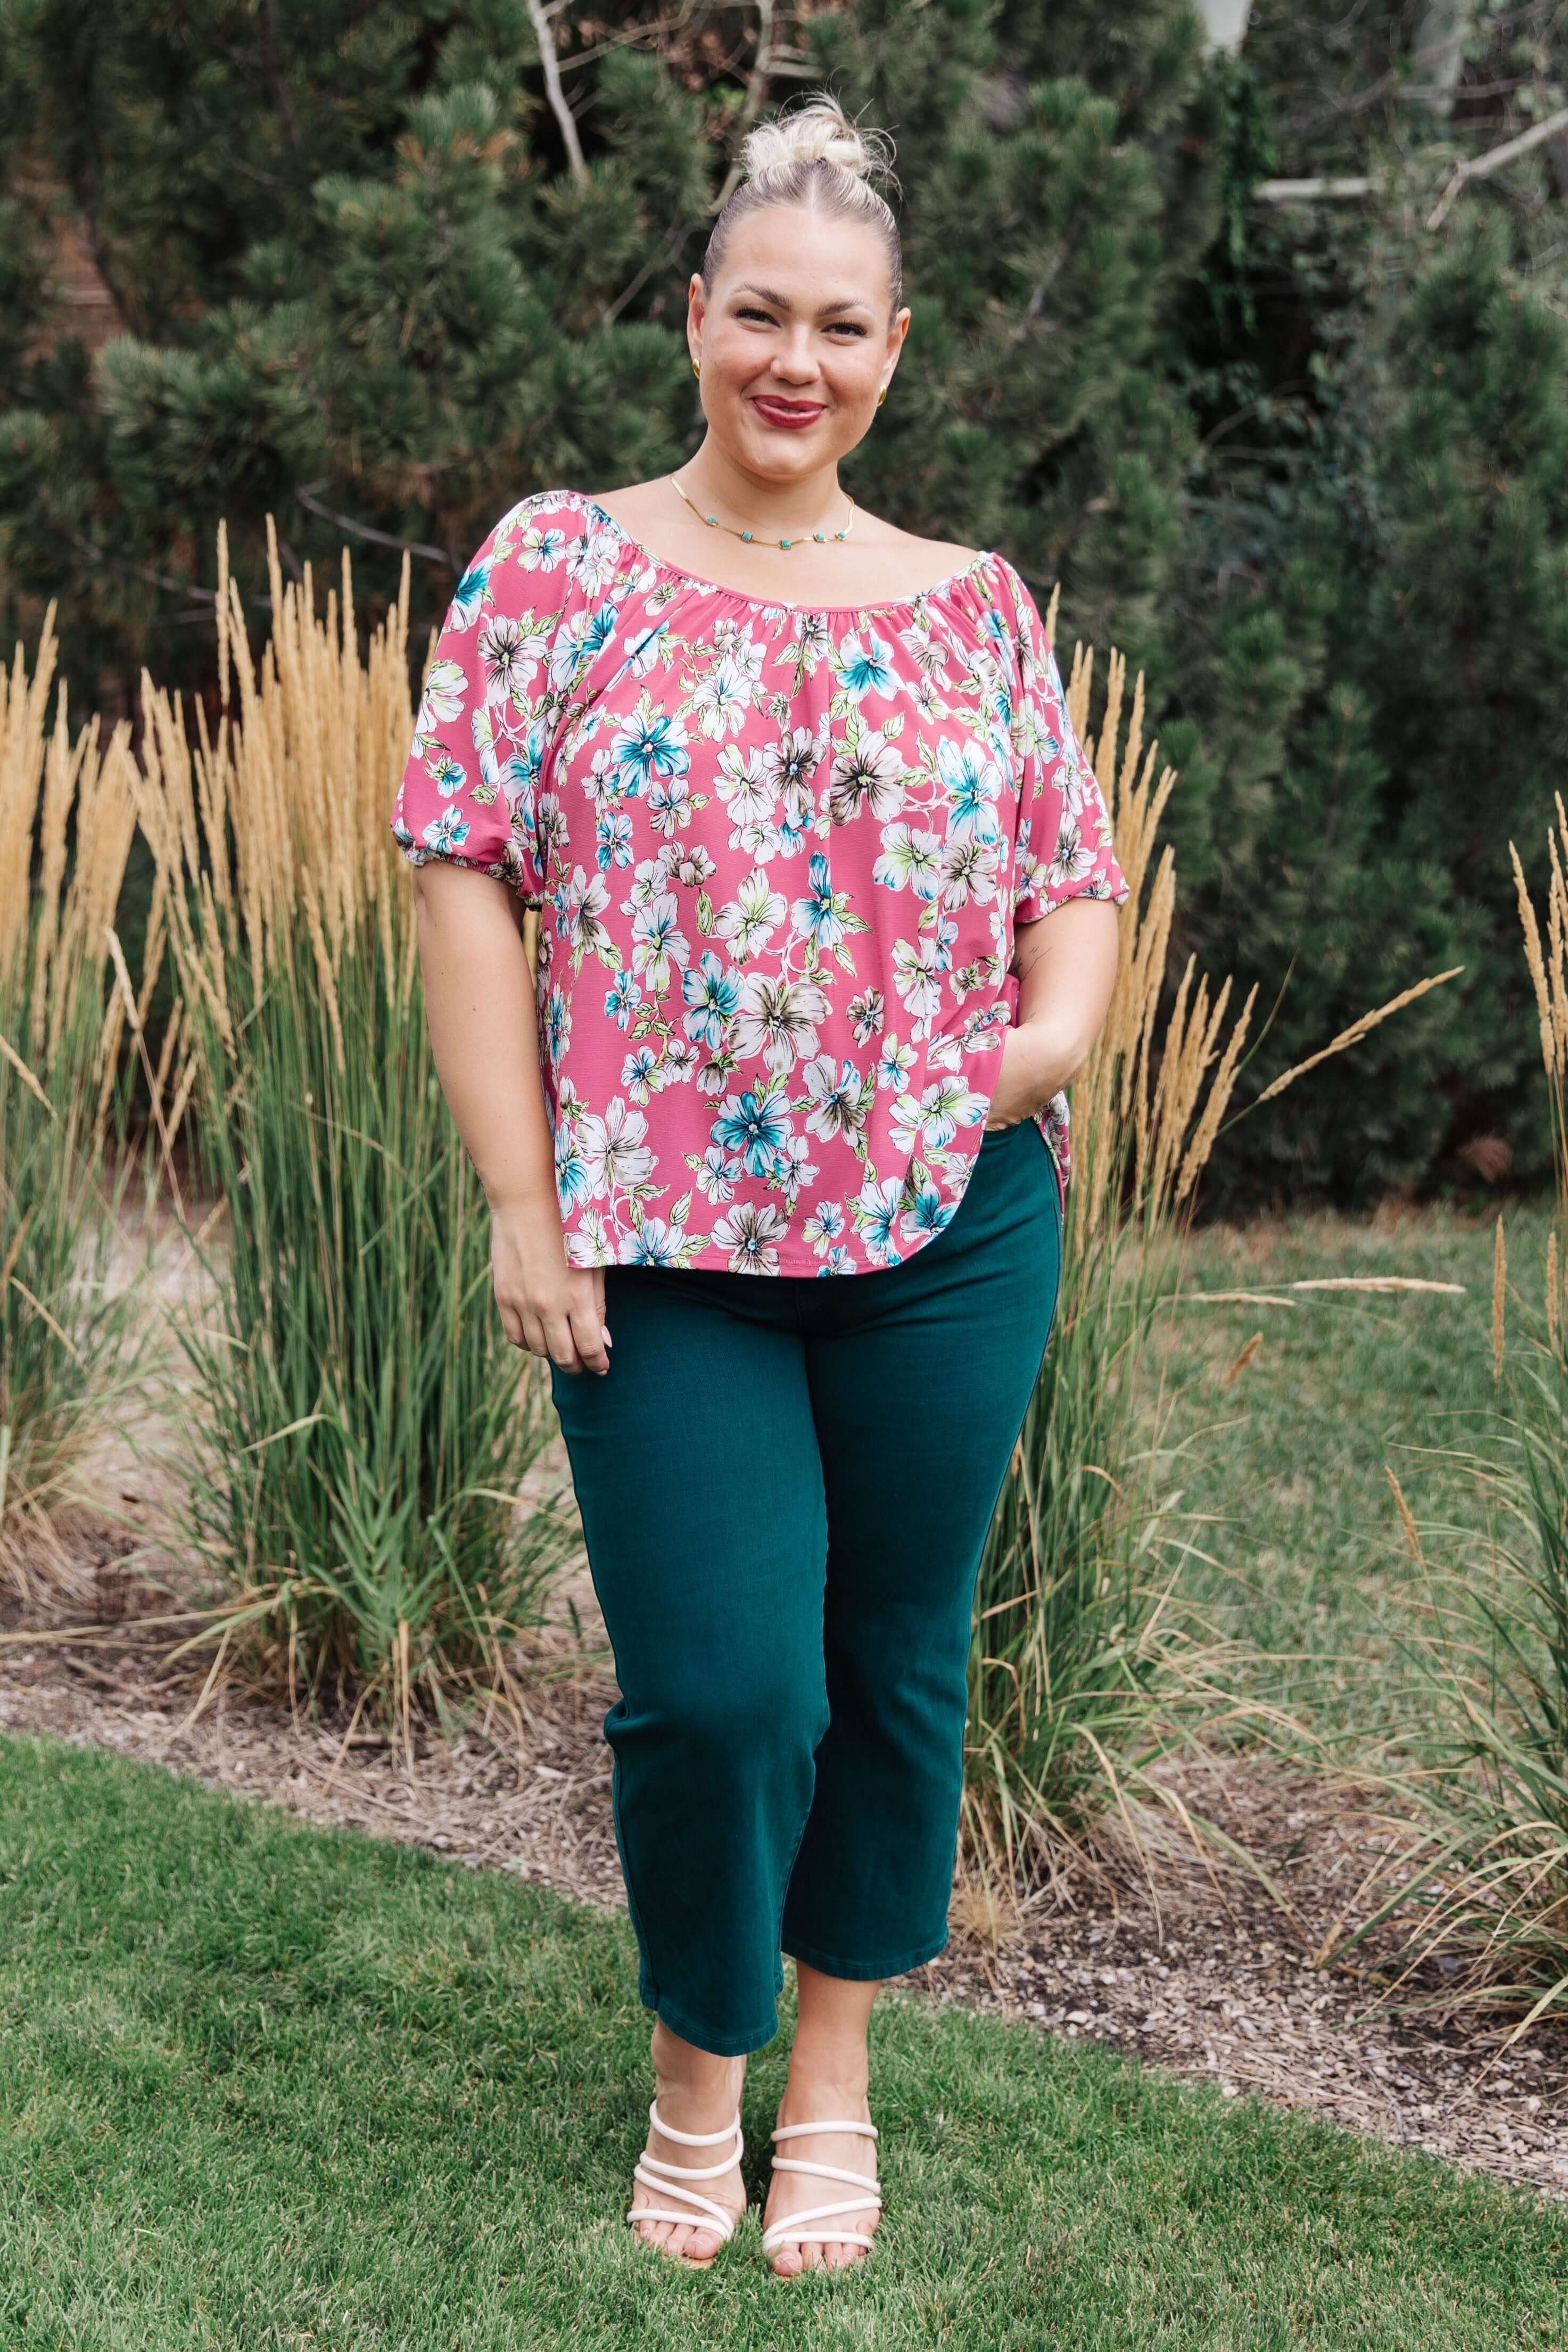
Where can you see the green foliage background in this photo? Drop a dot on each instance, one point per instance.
(1307, 464)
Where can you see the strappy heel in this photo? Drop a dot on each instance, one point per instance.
(792, 2231)
(654, 2172)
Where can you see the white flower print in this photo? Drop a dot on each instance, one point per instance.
(615, 1155)
(824, 1225)
(778, 1019)
(791, 762)
(969, 870)
(670, 806)
(722, 699)
(588, 1243)
(894, 1064)
(837, 1097)
(911, 860)
(444, 689)
(746, 787)
(931, 1124)
(876, 1209)
(578, 906)
(658, 941)
(752, 918)
(717, 1173)
(1072, 859)
(865, 1015)
(870, 777)
(915, 969)
(973, 783)
(781, 856)
(749, 1233)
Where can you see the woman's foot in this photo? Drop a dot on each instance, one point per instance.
(696, 2092)
(808, 2098)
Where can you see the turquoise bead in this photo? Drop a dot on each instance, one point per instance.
(783, 542)
(745, 534)
(715, 521)
(820, 535)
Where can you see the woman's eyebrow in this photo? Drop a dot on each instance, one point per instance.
(780, 301)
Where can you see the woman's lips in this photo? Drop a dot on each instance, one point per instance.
(793, 415)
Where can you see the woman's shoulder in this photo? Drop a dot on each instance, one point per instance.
(542, 518)
(543, 545)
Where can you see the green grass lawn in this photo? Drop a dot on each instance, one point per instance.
(1285, 1467)
(266, 2086)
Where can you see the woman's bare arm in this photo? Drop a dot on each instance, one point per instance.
(1066, 962)
(479, 1000)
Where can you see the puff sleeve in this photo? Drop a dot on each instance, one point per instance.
(1064, 847)
(474, 791)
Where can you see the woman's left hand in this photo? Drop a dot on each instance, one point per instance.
(1032, 1071)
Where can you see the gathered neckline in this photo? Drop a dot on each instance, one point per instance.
(777, 604)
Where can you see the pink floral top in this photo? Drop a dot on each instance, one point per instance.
(780, 852)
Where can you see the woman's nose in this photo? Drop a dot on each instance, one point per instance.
(796, 359)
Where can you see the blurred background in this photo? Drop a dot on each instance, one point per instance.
(1247, 325)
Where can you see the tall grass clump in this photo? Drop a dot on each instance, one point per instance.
(67, 1334)
(1082, 1670)
(1478, 1915)
(366, 1427)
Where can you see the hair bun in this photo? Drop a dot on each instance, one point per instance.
(817, 132)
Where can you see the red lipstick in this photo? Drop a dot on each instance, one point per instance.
(793, 417)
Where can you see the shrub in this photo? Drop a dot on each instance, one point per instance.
(366, 1427)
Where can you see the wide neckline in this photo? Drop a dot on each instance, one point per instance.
(777, 604)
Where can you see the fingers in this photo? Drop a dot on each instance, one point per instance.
(565, 1325)
(587, 1329)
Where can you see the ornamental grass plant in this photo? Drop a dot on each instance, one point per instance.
(1087, 1668)
(365, 1429)
(1473, 1889)
(69, 1337)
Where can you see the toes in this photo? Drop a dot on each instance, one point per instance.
(787, 2262)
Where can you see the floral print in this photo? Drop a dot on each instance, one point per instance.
(779, 854)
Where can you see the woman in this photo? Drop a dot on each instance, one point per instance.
(794, 791)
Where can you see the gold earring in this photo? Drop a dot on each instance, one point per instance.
(881, 396)
(696, 367)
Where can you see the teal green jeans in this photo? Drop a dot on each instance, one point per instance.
(785, 1486)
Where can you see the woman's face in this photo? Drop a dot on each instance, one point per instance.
(794, 340)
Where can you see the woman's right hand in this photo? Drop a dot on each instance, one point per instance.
(546, 1305)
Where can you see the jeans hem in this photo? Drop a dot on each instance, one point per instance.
(860, 1971)
(721, 2046)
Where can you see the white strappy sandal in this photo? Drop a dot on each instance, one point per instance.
(654, 2172)
(791, 2231)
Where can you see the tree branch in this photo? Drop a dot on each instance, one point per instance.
(185, 588)
(306, 494)
(550, 66)
(1482, 167)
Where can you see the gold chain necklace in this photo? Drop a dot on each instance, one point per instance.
(822, 537)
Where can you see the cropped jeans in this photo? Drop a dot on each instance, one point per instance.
(785, 1486)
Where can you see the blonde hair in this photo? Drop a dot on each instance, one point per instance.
(816, 158)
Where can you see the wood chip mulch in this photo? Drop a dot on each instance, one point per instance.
(1212, 1980)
